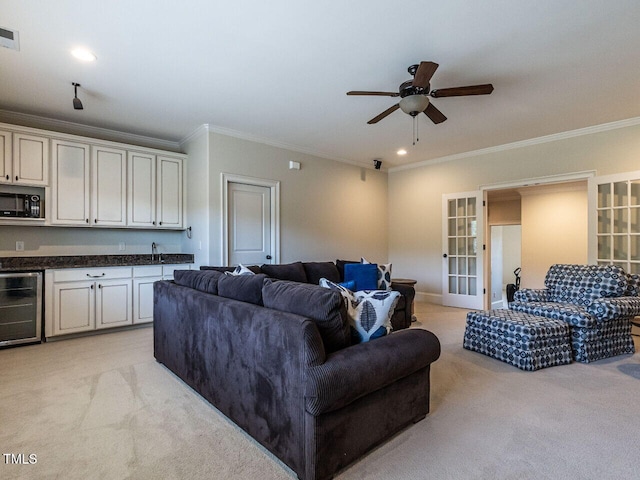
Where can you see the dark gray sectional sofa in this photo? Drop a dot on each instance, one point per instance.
(275, 358)
(312, 272)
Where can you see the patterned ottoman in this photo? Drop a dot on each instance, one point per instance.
(526, 341)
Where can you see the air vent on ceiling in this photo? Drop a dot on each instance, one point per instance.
(9, 38)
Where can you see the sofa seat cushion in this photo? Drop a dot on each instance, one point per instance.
(203, 280)
(246, 288)
(572, 314)
(317, 270)
(291, 271)
(324, 307)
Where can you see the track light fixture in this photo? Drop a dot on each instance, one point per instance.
(77, 104)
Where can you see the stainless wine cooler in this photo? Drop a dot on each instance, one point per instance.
(20, 308)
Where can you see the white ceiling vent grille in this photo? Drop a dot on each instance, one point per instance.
(9, 39)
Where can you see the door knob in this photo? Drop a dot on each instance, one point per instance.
(268, 257)
(444, 256)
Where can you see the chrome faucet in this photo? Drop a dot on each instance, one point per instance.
(154, 251)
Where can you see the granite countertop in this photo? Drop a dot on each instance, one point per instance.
(30, 264)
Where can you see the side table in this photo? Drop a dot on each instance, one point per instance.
(410, 282)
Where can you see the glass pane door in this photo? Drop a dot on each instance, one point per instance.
(617, 220)
(462, 257)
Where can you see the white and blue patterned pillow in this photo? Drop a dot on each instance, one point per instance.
(369, 311)
(384, 274)
(240, 270)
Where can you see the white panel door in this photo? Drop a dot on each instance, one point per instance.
(249, 226)
(462, 245)
(108, 186)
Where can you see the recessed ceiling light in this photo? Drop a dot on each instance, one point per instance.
(402, 151)
(83, 54)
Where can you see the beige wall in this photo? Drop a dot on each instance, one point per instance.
(415, 195)
(328, 209)
(554, 230)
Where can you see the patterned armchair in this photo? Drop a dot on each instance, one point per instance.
(597, 301)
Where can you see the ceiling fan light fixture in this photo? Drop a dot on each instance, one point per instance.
(414, 104)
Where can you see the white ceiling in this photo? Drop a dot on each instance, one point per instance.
(278, 70)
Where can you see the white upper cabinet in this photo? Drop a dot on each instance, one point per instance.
(170, 201)
(94, 183)
(70, 183)
(141, 190)
(24, 159)
(108, 186)
(6, 167)
(30, 160)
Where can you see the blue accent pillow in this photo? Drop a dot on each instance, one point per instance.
(364, 274)
(351, 285)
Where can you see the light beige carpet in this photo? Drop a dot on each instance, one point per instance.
(100, 407)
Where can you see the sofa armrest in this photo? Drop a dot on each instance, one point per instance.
(532, 295)
(409, 294)
(356, 371)
(604, 309)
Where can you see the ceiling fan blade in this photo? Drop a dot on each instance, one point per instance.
(434, 114)
(424, 73)
(484, 89)
(384, 114)
(380, 94)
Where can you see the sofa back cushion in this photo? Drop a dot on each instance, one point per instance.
(203, 280)
(253, 268)
(325, 307)
(246, 288)
(582, 284)
(290, 271)
(317, 270)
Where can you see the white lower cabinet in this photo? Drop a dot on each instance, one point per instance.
(143, 280)
(86, 299)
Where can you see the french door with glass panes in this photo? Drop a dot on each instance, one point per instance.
(462, 257)
(614, 221)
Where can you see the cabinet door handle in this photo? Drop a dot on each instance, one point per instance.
(160, 223)
(99, 286)
(91, 286)
(86, 220)
(7, 177)
(95, 276)
(16, 177)
(95, 220)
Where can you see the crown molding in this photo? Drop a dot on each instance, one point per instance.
(524, 143)
(72, 128)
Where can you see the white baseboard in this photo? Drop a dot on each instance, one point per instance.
(429, 297)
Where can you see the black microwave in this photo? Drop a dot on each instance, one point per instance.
(22, 205)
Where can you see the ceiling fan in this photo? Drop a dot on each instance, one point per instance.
(415, 94)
